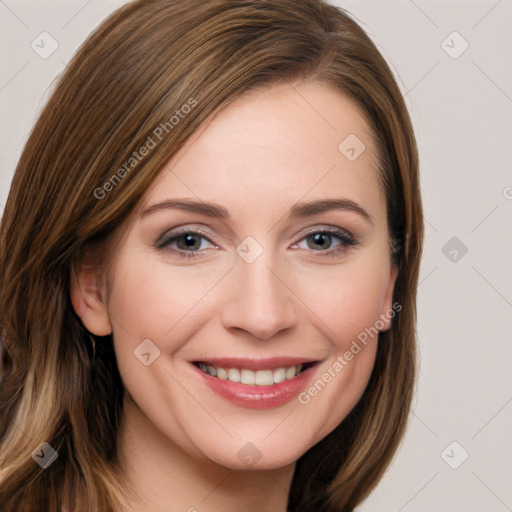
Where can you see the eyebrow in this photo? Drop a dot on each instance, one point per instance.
(298, 211)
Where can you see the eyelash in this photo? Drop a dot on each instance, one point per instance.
(345, 238)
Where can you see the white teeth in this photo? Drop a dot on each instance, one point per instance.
(279, 375)
(291, 372)
(251, 378)
(265, 378)
(248, 377)
(222, 374)
(234, 375)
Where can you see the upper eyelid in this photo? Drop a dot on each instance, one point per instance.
(185, 230)
(326, 229)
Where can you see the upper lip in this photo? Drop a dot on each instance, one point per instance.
(269, 363)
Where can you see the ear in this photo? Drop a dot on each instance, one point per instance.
(88, 292)
(387, 312)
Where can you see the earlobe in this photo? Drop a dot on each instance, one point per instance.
(387, 312)
(88, 296)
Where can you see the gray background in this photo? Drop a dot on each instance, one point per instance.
(461, 108)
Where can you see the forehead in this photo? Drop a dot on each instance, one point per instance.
(274, 146)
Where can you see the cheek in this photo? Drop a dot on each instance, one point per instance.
(347, 307)
(152, 299)
(346, 300)
(349, 313)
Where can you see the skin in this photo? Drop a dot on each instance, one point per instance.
(257, 157)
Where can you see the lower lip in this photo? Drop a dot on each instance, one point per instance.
(258, 397)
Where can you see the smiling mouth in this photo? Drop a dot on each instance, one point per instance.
(264, 377)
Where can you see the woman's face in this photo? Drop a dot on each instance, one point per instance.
(271, 277)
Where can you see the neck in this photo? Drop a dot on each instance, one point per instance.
(168, 478)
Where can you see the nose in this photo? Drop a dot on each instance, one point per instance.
(260, 300)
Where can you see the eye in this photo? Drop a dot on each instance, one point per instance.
(185, 243)
(328, 241)
(190, 243)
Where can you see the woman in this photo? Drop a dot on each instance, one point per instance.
(209, 260)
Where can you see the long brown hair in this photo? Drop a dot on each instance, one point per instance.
(132, 75)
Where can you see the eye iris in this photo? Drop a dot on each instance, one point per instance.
(320, 239)
(191, 242)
